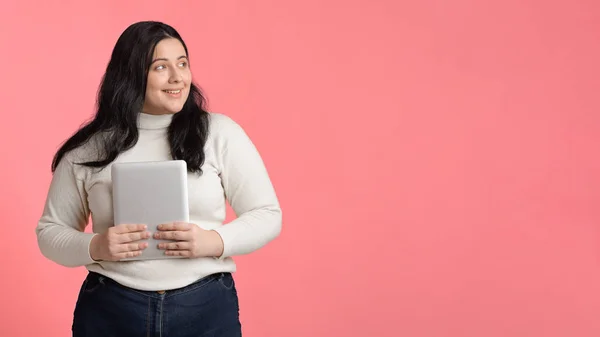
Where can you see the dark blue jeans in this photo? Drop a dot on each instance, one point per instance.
(208, 308)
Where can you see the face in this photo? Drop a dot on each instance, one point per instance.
(169, 79)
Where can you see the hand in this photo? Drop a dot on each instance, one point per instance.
(189, 240)
(119, 242)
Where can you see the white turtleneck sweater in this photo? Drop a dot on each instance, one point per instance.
(233, 171)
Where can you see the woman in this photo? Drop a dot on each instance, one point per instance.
(149, 109)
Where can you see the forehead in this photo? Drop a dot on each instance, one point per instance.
(169, 48)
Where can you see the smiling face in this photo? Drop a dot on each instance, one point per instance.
(169, 79)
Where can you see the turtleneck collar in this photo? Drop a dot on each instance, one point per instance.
(154, 122)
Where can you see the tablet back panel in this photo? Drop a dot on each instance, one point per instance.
(150, 193)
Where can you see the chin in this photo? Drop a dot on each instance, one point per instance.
(173, 109)
(176, 110)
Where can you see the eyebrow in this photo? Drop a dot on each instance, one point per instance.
(164, 59)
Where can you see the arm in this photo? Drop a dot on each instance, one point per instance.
(60, 230)
(248, 190)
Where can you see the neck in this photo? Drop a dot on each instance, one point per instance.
(153, 122)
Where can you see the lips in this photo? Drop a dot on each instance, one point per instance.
(173, 92)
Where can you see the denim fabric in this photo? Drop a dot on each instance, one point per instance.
(207, 308)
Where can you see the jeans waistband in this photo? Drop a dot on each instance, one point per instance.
(97, 277)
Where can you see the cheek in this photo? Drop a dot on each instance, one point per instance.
(187, 77)
(154, 84)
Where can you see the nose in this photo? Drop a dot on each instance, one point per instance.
(175, 76)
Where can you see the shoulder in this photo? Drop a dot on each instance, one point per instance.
(221, 122)
(88, 151)
(224, 128)
(226, 135)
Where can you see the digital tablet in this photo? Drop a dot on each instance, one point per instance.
(150, 193)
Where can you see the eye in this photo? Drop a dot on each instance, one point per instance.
(159, 67)
(183, 64)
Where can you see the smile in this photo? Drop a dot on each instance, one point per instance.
(174, 92)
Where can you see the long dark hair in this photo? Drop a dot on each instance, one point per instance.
(121, 97)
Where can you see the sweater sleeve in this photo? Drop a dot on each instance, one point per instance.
(60, 230)
(248, 190)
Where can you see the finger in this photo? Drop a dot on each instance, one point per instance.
(185, 253)
(173, 235)
(180, 245)
(174, 226)
(131, 247)
(127, 255)
(128, 228)
(130, 237)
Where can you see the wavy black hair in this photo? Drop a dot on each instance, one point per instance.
(121, 97)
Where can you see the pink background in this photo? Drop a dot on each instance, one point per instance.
(437, 161)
